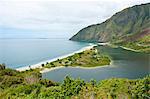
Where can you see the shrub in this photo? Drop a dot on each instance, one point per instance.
(2, 66)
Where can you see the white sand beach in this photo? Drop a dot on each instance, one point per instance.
(38, 65)
(129, 49)
(50, 69)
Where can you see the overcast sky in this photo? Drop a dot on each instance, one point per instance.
(47, 18)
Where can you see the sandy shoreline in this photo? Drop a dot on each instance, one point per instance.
(38, 65)
(129, 49)
(50, 69)
(45, 70)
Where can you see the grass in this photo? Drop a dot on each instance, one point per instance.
(138, 47)
(88, 58)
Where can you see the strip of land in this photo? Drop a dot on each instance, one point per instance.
(136, 47)
(126, 48)
(39, 65)
(88, 58)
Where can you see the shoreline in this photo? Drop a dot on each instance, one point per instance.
(38, 65)
(45, 70)
(129, 49)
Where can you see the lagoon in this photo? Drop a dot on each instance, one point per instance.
(125, 64)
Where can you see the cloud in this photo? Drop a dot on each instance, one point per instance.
(58, 16)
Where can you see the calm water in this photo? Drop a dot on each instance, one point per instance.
(17, 53)
(126, 64)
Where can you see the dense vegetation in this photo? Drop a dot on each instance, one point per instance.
(138, 42)
(136, 47)
(29, 85)
(88, 58)
(131, 25)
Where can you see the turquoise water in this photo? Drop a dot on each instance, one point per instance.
(126, 64)
(17, 53)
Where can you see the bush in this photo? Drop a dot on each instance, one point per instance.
(2, 66)
(42, 65)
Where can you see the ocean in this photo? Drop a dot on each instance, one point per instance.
(16, 53)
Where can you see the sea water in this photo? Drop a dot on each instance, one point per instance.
(16, 53)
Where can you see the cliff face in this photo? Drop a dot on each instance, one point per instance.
(124, 24)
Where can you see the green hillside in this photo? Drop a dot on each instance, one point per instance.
(30, 85)
(129, 25)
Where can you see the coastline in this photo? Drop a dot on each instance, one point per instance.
(38, 65)
(50, 69)
(129, 49)
(45, 70)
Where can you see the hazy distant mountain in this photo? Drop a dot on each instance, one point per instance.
(130, 24)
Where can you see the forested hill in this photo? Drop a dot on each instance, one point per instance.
(132, 22)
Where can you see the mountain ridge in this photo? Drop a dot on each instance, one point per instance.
(120, 27)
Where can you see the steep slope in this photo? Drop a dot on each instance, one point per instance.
(139, 42)
(126, 23)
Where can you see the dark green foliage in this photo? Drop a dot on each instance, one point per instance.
(141, 89)
(47, 83)
(29, 85)
(8, 81)
(93, 82)
(117, 88)
(8, 72)
(71, 87)
(42, 65)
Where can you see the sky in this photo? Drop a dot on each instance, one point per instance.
(55, 19)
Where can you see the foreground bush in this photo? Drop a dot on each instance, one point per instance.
(30, 85)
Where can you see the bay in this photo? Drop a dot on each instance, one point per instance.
(16, 53)
(125, 64)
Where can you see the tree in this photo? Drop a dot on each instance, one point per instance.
(47, 63)
(93, 82)
(42, 65)
(2, 66)
(30, 67)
